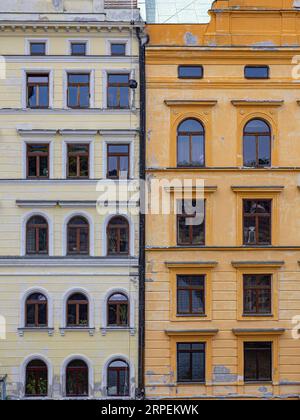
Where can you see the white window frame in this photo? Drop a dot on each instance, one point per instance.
(78, 41)
(28, 41)
(24, 85)
(24, 155)
(80, 140)
(91, 72)
(105, 73)
(125, 41)
(121, 140)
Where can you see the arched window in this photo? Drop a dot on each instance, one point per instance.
(77, 311)
(117, 308)
(190, 144)
(77, 379)
(36, 311)
(257, 144)
(118, 236)
(118, 379)
(78, 236)
(36, 383)
(37, 235)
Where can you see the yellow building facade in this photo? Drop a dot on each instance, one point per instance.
(69, 273)
(222, 297)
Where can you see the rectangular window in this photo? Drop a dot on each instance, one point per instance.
(257, 294)
(78, 161)
(191, 222)
(191, 295)
(118, 49)
(257, 72)
(37, 161)
(118, 91)
(191, 362)
(37, 48)
(257, 222)
(118, 161)
(190, 72)
(258, 362)
(37, 90)
(78, 90)
(78, 48)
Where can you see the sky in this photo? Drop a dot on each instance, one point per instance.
(175, 11)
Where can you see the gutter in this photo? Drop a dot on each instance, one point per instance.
(140, 393)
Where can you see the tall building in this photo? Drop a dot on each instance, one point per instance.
(222, 274)
(69, 127)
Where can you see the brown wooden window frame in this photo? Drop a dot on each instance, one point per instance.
(118, 228)
(118, 155)
(38, 156)
(77, 371)
(257, 135)
(37, 304)
(191, 228)
(191, 289)
(38, 85)
(78, 156)
(118, 305)
(78, 228)
(190, 135)
(269, 347)
(78, 304)
(78, 85)
(256, 289)
(257, 216)
(117, 85)
(37, 228)
(118, 370)
(191, 352)
(36, 372)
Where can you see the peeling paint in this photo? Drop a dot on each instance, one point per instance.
(190, 39)
(223, 374)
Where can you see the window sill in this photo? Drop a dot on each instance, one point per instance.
(258, 316)
(104, 331)
(91, 331)
(190, 383)
(21, 331)
(191, 316)
(259, 383)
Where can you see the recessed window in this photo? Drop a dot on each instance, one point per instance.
(36, 379)
(257, 294)
(191, 222)
(118, 91)
(190, 72)
(118, 310)
(37, 236)
(257, 222)
(78, 236)
(257, 144)
(191, 295)
(191, 362)
(78, 161)
(258, 362)
(118, 49)
(257, 72)
(77, 379)
(37, 90)
(77, 311)
(190, 144)
(118, 161)
(118, 236)
(78, 90)
(118, 379)
(37, 48)
(78, 48)
(36, 311)
(37, 160)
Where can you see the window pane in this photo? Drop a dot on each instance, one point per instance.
(118, 49)
(84, 240)
(183, 301)
(72, 166)
(37, 48)
(71, 314)
(198, 366)
(264, 227)
(183, 231)
(250, 234)
(250, 151)
(197, 151)
(183, 150)
(112, 241)
(43, 239)
(43, 98)
(257, 72)
(30, 241)
(84, 166)
(124, 97)
(123, 240)
(30, 315)
(193, 72)
(198, 301)
(32, 96)
(84, 96)
(258, 362)
(124, 166)
(43, 166)
(118, 78)
(113, 97)
(42, 311)
(32, 166)
(78, 48)
(184, 369)
(257, 127)
(118, 148)
(112, 166)
(191, 126)
(72, 245)
(72, 95)
(83, 315)
(112, 314)
(79, 78)
(264, 148)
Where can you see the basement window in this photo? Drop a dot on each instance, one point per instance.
(257, 72)
(190, 72)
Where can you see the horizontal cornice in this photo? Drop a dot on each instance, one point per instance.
(258, 331)
(67, 262)
(191, 264)
(87, 25)
(225, 169)
(196, 249)
(258, 188)
(252, 264)
(183, 188)
(73, 203)
(198, 332)
(67, 132)
(186, 103)
(108, 59)
(69, 111)
(257, 103)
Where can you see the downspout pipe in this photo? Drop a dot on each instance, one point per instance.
(142, 231)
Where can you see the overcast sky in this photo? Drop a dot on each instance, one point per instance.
(176, 11)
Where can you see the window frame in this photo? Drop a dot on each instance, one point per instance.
(257, 380)
(123, 254)
(36, 43)
(36, 304)
(78, 85)
(38, 74)
(118, 43)
(190, 352)
(190, 135)
(72, 43)
(37, 229)
(36, 371)
(118, 85)
(190, 290)
(257, 67)
(118, 370)
(78, 156)
(190, 77)
(38, 156)
(257, 135)
(118, 324)
(191, 227)
(77, 369)
(78, 228)
(78, 304)
(257, 216)
(256, 288)
(118, 156)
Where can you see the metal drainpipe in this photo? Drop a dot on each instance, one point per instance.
(142, 260)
